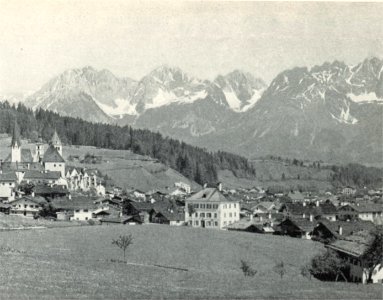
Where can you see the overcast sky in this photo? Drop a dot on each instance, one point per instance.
(40, 39)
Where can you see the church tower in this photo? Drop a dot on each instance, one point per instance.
(16, 144)
(56, 143)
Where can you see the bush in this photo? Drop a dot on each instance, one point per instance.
(247, 270)
(280, 269)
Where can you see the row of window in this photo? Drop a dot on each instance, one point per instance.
(9, 183)
(230, 215)
(26, 206)
(208, 215)
(229, 205)
(205, 205)
(207, 223)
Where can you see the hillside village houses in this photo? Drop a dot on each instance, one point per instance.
(43, 166)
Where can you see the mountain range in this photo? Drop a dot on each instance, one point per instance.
(332, 112)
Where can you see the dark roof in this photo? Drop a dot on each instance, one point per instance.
(322, 209)
(172, 216)
(368, 207)
(142, 206)
(348, 228)
(209, 195)
(32, 174)
(354, 245)
(52, 155)
(48, 190)
(8, 177)
(302, 223)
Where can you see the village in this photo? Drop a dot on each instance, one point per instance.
(40, 184)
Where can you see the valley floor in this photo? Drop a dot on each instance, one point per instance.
(81, 262)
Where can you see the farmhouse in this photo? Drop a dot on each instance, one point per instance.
(348, 191)
(298, 227)
(367, 211)
(209, 208)
(351, 249)
(27, 206)
(326, 231)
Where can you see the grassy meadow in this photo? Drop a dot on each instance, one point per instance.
(81, 262)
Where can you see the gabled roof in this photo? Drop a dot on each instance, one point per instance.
(8, 177)
(37, 200)
(209, 195)
(175, 216)
(297, 196)
(348, 228)
(368, 207)
(52, 155)
(303, 224)
(268, 205)
(354, 245)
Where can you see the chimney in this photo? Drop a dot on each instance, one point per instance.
(304, 203)
(205, 185)
(271, 224)
(33, 194)
(219, 186)
(304, 215)
(317, 203)
(251, 217)
(311, 218)
(70, 196)
(340, 230)
(260, 218)
(269, 215)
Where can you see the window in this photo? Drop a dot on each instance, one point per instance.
(215, 215)
(196, 205)
(215, 206)
(208, 206)
(196, 214)
(202, 205)
(235, 205)
(54, 165)
(208, 215)
(77, 210)
(224, 223)
(230, 215)
(215, 223)
(235, 214)
(25, 206)
(196, 223)
(85, 210)
(229, 205)
(202, 215)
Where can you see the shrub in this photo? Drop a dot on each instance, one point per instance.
(247, 270)
(280, 269)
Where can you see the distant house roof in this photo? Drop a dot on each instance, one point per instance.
(368, 207)
(209, 195)
(52, 155)
(268, 205)
(172, 216)
(48, 190)
(8, 177)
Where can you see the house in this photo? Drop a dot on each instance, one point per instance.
(27, 206)
(5, 208)
(53, 161)
(296, 196)
(41, 177)
(143, 209)
(252, 225)
(169, 217)
(351, 249)
(324, 210)
(264, 207)
(209, 208)
(8, 183)
(327, 231)
(50, 191)
(184, 186)
(348, 191)
(298, 227)
(366, 211)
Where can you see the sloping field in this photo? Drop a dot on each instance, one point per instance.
(81, 263)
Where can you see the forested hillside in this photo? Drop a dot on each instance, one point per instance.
(193, 162)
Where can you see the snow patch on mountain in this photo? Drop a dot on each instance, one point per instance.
(366, 97)
(237, 105)
(123, 107)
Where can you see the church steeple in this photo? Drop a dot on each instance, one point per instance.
(56, 142)
(16, 144)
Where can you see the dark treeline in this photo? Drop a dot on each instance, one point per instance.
(193, 162)
(357, 175)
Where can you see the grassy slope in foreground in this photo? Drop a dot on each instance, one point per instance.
(76, 263)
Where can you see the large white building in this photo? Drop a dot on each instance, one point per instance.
(210, 209)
